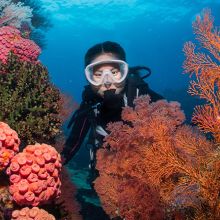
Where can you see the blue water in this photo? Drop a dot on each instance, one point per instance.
(152, 32)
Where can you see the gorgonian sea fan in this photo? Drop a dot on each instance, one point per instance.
(152, 149)
(204, 68)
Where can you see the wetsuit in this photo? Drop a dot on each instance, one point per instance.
(96, 112)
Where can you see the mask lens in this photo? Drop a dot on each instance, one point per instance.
(116, 74)
(96, 75)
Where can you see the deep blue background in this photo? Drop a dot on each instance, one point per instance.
(152, 33)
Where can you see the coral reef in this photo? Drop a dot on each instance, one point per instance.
(9, 144)
(67, 205)
(6, 201)
(153, 150)
(204, 67)
(31, 214)
(34, 175)
(40, 22)
(5, 198)
(29, 102)
(29, 16)
(12, 41)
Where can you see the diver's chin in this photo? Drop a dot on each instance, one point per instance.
(100, 90)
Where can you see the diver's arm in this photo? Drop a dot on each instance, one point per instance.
(77, 135)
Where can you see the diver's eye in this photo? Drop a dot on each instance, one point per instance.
(97, 74)
(115, 71)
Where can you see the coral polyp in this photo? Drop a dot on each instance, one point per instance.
(34, 175)
(12, 41)
(31, 214)
(9, 144)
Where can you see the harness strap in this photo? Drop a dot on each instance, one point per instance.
(80, 135)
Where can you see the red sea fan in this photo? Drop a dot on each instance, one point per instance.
(205, 68)
(152, 150)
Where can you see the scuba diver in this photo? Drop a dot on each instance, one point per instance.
(112, 85)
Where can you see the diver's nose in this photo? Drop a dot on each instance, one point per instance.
(107, 85)
(107, 81)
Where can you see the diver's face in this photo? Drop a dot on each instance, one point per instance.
(114, 68)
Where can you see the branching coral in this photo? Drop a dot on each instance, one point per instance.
(29, 102)
(153, 150)
(205, 67)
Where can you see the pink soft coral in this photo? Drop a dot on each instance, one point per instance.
(31, 214)
(34, 175)
(9, 144)
(12, 41)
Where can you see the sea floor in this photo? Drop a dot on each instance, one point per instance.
(91, 208)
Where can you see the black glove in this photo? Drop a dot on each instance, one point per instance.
(112, 100)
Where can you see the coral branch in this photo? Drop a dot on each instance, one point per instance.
(206, 34)
(206, 68)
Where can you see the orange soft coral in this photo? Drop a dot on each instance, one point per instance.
(205, 67)
(154, 151)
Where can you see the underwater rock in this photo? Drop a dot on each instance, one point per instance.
(33, 213)
(12, 41)
(35, 175)
(9, 144)
(6, 201)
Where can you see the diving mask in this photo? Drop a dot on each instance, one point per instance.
(116, 74)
